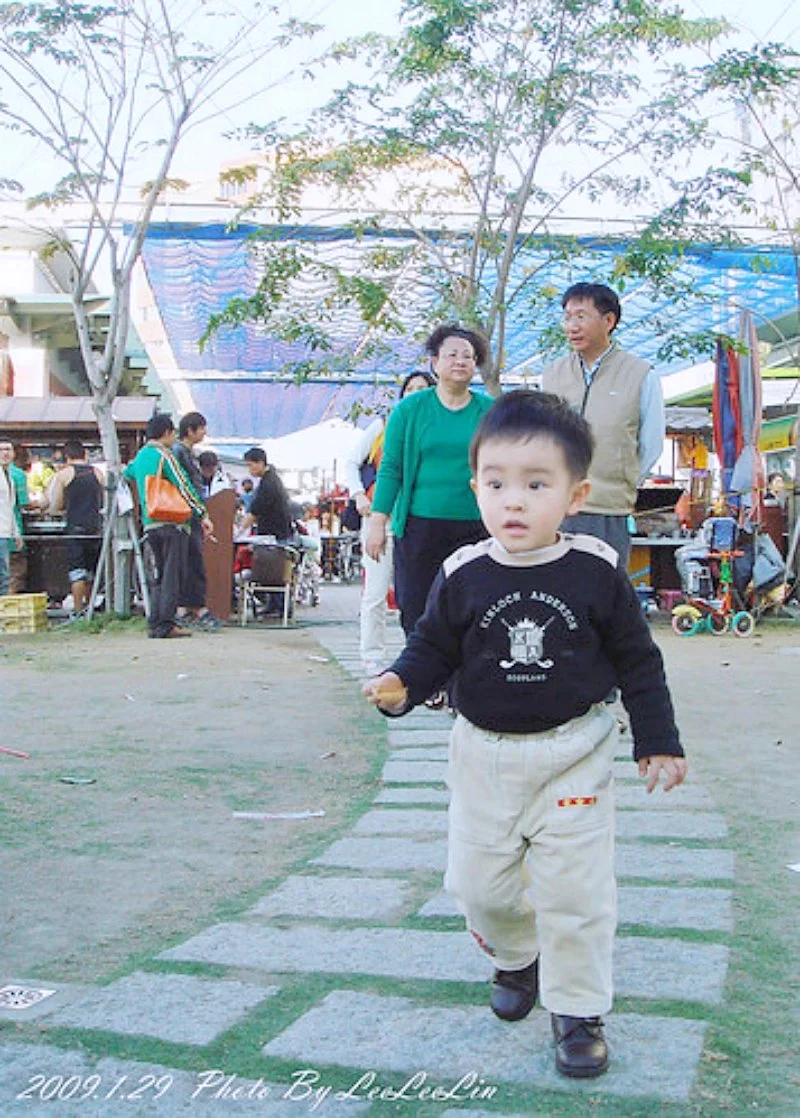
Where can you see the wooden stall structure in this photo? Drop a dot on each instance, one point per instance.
(41, 426)
(44, 424)
(218, 554)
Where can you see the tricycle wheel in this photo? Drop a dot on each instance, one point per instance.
(743, 624)
(685, 625)
(717, 623)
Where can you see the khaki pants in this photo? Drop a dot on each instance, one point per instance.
(531, 853)
(377, 579)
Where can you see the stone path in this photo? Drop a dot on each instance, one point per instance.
(397, 990)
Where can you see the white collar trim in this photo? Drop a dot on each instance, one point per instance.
(533, 558)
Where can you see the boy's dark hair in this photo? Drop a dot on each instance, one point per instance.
(207, 459)
(452, 330)
(256, 454)
(190, 422)
(605, 300)
(158, 425)
(522, 414)
(74, 448)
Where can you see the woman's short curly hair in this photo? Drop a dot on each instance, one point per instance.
(478, 341)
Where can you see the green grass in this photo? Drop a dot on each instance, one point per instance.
(750, 1058)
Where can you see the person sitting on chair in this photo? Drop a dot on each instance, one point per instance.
(269, 511)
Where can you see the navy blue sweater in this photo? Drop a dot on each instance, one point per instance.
(532, 640)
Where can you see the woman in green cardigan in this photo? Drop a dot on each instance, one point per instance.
(423, 480)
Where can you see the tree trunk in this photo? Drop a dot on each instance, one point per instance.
(117, 575)
(108, 432)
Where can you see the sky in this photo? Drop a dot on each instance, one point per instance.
(764, 20)
(292, 95)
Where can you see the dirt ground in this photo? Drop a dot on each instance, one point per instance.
(177, 736)
(180, 735)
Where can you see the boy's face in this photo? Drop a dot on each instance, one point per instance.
(524, 490)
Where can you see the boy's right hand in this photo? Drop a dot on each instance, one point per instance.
(388, 692)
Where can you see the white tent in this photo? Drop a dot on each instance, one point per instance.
(321, 447)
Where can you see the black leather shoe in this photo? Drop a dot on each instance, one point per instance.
(514, 992)
(581, 1051)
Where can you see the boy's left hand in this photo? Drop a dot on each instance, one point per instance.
(387, 691)
(673, 768)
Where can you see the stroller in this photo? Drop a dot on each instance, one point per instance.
(725, 574)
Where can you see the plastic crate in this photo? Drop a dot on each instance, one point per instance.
(23, 613)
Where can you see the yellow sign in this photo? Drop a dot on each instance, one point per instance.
(778, 434)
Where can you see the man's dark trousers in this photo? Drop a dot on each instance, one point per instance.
(193, 592)
(165, 553)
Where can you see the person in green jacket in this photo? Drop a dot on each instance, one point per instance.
(424, 478)
(18, 558)
(165, 546)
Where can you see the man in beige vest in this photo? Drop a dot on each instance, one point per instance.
(620, 396)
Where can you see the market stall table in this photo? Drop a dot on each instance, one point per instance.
(46, 542)
(652, 561)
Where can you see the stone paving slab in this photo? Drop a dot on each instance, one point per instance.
(143, 1090)
(658, 862)
(402, 822)
(447, 1043)
(422, 719)
(660, 968)
(625, 770)
(415, 753)
(397, 854)
(387, 952)
(646, 967)
(626, 796)
(683, 798)
(672, 862)
(414, 772)
(397, 795)
(400, 770)
(337, 898)
(630, 824)
(707, 910)
(174, 1007)
(433, 736)
(441, 904)
(459, 1113)
(671, 824)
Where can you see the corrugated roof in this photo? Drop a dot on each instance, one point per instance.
(59, 411)
(687, 421)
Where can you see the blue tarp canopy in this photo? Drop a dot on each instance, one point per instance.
(195, 270)
(266, 408)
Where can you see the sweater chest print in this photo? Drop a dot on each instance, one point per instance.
(527, 618)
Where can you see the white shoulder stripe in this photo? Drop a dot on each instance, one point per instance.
(593, 546)
(464, 555)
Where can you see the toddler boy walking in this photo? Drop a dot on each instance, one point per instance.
(532, 628)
